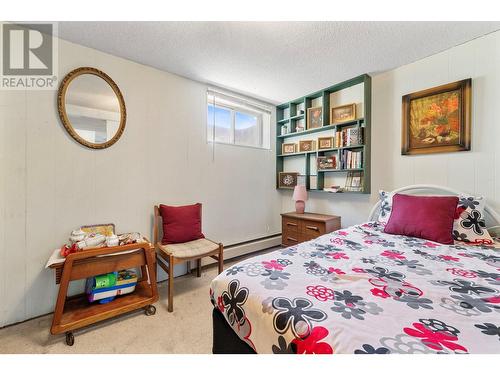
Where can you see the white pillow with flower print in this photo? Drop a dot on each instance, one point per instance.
(469, 226)
(385, 206)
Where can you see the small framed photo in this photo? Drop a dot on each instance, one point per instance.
(287, 180)
(354, 181)
(327, 162)
(288, 148)
(325, 143)
(314, 117)
(305, 146)
(343, 113)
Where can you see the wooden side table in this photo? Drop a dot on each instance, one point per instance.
(297, 228)
(76, 312)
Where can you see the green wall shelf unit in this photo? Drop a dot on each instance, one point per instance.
(293, 116)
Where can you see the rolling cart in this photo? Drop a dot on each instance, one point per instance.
(72, 313)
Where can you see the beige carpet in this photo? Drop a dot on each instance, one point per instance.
(186, 330)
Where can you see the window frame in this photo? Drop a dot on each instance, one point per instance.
(233, 107)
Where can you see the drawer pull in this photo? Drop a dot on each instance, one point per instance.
(291, 224)
(292, 239)
(312, 228)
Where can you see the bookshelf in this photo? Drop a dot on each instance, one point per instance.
(294, 116)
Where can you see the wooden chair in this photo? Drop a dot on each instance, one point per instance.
(169, 255)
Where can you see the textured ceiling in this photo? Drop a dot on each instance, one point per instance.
(276, 61)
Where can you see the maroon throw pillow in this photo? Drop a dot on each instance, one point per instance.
(425, 217)
(181, 224)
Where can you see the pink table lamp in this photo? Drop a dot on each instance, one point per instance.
(300, 197)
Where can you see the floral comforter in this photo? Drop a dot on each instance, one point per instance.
(362, 291)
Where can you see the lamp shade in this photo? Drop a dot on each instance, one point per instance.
(300, 193)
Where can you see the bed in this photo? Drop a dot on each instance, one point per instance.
(362, 291)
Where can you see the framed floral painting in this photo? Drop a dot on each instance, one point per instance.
(437, 119)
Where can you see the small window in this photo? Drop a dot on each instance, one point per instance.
(232, 120)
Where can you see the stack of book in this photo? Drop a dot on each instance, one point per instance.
(352, 159)
(349, 137)
(104, 288)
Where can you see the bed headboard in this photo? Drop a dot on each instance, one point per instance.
(491, 216)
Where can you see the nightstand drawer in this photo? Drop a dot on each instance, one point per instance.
(312, 229)
(290, 225)
(290, 239)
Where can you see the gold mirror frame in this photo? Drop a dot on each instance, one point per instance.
(61, 106)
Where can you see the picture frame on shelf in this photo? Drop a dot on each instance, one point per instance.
(287, 180)
(307, 145)
(288, 148)
(314, 117)
(325, 143)
(326, 162)
(437, 119)
(354, 181)
(343, 113)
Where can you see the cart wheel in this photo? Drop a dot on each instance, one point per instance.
(70, 338)
(150, 310)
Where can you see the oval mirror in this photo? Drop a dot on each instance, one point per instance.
(91, 107)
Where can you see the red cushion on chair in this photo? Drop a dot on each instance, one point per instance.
(425, 217)
(181, 224)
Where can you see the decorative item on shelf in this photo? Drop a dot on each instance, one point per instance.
(299, 127)
(287, 180)
(343, 113)
(326, 162)
(354, 181)
(306, 146)
(437, 119)
(314, 117)
(325, 143)
(313, 182)
(288, 148)
(284, 129)
(333, 189)
(300, 197)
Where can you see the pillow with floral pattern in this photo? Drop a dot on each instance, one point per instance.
(469, 226)
(385, 206)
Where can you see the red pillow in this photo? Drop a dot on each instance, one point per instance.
(430, 218)
(181, 224)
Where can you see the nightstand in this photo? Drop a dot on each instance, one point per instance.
(297, 228)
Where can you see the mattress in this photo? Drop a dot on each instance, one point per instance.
(359, 290)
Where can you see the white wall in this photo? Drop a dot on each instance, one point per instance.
(50, 184)
(476, 171)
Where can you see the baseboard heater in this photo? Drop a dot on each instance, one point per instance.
(247, 247)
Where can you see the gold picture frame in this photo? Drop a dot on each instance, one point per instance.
(437, 119)
(287, 180)
(325, 143)
(307, 146)
(288, 148)
(343, 113)
(314, 117)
